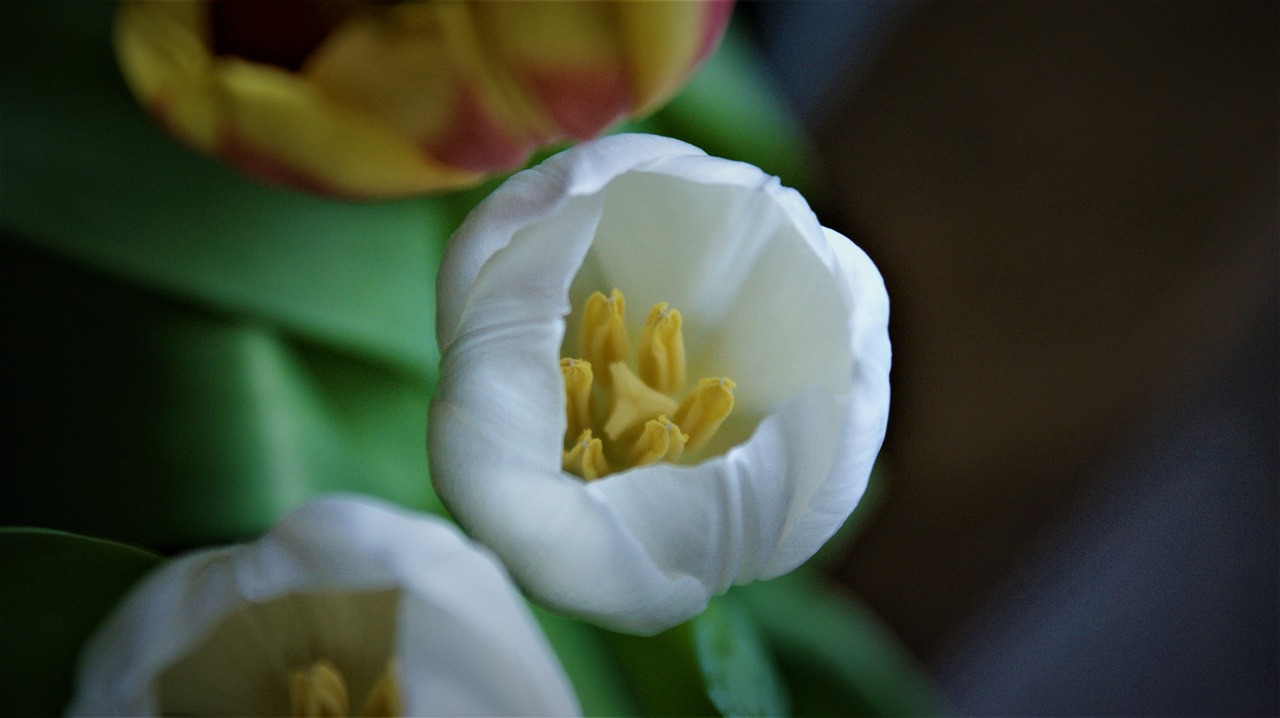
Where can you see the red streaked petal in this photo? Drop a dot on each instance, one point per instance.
(582, 101)
(715, 19)
(474, 140)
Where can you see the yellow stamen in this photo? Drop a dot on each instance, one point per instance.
(577, 395)
(639, 393)
(660, 441)
(604, 331)
(318, 691)
(634, 402)
(586, 458)
(704, 410)
(384, 699)
(660, 359)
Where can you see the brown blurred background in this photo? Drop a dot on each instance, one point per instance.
(1074, 205)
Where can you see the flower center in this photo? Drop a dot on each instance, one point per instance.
(320, 691)
(635, 410)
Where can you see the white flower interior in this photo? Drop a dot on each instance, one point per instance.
(247, 661)
(742, 275)
(638, 401)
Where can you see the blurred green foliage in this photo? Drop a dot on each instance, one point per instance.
(191, 354)
(836, 656)
(737, 669)
(171, 425)
(54, 590)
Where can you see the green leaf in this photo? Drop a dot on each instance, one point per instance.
(836, 656)
(55, 588)
(584, 652)
(716, 663)
(192, 354)
(736, 666)
(662, 671)
(88, 175)
(157, 422)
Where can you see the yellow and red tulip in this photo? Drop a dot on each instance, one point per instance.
(366, 99)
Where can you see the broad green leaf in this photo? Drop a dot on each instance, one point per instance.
(662, 672)
(143, 419)
(736, 666)
(85, 173)
(55, 588)
(836, 656)
(584, 652)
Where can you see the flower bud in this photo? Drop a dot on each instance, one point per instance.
(376, 99)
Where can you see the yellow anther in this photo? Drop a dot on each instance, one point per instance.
(639, 395)
(704, 410)
(577, 396)
(318, 691)
(660, 441)
(604, 331)
(660, 358)
(384, 699)
(586, 458)
(634, 402)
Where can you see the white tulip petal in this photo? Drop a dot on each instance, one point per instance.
(794, 314)
(351, 581)
(526, 198)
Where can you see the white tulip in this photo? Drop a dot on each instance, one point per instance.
(782, 323)
(346, 607)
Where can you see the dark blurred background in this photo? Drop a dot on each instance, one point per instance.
(1074, 205)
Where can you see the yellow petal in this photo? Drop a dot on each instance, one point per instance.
(664, 42)
(564, 60)
(267, 120)
(411, 97)
(420, 68)
(161, 49)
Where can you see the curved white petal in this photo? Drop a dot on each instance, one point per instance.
(794, 313)
(528, 197)
(348, 580)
